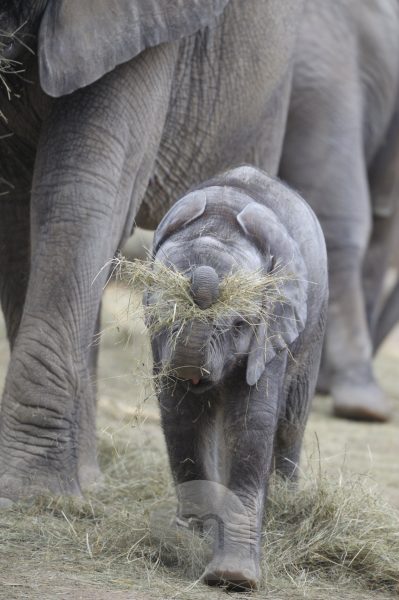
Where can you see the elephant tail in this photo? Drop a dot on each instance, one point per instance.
(388, 318)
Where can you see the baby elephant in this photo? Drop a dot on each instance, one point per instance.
(241, 376)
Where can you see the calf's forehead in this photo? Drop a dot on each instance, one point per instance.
(224, 256)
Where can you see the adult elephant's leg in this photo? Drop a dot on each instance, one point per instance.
(94, 353)
(388, 318)
(323, 159)
(384, 190)
(14, 258)
(268, 155)
(375, 269)
(349, 351)
(94, 160)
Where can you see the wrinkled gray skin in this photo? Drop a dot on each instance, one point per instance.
(242, 394)
(341, 152)
(188, 101)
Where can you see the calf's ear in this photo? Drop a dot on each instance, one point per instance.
(259, 355)
(288, 312)
(185, 211)
(81, 40)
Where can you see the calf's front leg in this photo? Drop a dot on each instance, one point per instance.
(187, 425)
(250, 422)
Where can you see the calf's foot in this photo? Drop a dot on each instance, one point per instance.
(232, 572)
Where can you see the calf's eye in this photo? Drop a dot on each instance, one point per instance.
(238, 326)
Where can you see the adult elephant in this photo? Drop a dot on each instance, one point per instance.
(124, 100)
(341, 152)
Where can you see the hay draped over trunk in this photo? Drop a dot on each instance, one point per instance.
(246, 295)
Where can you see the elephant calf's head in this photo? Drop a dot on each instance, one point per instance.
(203, 349)
(247, 286)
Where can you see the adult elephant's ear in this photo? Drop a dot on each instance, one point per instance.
(287, 307)
(81, 40)
(184, 212)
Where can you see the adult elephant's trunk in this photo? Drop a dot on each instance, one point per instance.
(191, 355)
(76, 223)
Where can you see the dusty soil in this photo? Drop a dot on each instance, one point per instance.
(126, 410)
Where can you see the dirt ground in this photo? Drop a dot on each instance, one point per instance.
(127, 413)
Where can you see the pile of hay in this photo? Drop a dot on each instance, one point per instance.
(330, 537)
(242, 295)
(332, 532)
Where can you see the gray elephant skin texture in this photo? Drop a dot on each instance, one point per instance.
(240, 391)
(124, 105)
(341, 152)
(115, 118)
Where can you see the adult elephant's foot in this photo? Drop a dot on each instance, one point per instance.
(14, 488)
(233, 573)
(20, 480)
(47, 426)
(361, 402)
(16, 485)
(35, 468)
(33, 476)
(90, 476)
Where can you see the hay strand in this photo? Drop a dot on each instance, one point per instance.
(9, 67)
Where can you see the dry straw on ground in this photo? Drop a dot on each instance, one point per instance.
(326, 536)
